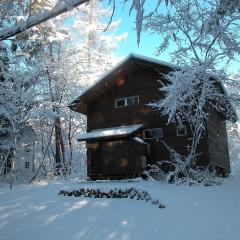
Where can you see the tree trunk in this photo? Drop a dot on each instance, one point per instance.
(70, 144)
(60, 159)
(58, 162)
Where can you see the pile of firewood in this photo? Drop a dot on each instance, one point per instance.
(131, 193)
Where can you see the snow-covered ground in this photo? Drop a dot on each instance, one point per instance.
(192, 212)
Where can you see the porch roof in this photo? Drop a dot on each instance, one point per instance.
(121, 131)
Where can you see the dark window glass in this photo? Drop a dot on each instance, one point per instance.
(27, 148)
(120, 102)
(26, 164)
(153, 133)
(181, 130)
(132, 101)
(128, 101)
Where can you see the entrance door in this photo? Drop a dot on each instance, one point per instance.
(114, 158)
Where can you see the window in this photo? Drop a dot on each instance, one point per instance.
(26, 164)
(120, 102)
(132, 101)
(27, 148)
(153, 133)
(181, 130)
(127, 101)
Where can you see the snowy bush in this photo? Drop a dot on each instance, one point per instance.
(182, 169)
(234, 145)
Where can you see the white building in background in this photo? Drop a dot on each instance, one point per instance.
(23, 162)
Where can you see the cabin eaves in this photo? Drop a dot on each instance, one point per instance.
(109, 132)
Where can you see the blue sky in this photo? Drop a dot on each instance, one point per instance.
(148, 41)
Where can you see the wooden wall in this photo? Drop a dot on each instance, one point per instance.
(217, 138)
(116, 158)
(143, 83)
(102, 112)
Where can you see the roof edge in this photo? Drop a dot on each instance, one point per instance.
(121, 131)
(114, 68)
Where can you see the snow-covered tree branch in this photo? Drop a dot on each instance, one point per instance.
(29, 21)
(203, 49)
(40, 72)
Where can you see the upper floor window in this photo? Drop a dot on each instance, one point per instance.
(27, 148)
(127, 101)
(181, 130)
(153, 133)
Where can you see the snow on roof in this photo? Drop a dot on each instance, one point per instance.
(109, 132)
(111, 70)
(138, 139)
(235, 115)
(28, 134)
(153, 60)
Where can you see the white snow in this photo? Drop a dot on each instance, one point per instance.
(139, 140)
(153, 60)
(192, 213)
(46, 14)
(109, 132)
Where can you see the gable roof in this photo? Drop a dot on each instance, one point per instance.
(105, 82)
(28, 135)
(128, 64)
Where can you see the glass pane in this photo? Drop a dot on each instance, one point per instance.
(153, 133)
(147, 134)
(132, 101)
(120, 102)
(181, 130)
(26, 164)
(157, 133)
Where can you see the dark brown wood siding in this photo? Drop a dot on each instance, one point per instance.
(116, 158)
(141, 78)
(102, 113)
(217, 137)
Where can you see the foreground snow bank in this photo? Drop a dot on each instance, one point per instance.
(193, 212)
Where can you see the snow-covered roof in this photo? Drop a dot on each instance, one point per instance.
(153, 60)
(109, 132)
(113, 69)
(28, 135)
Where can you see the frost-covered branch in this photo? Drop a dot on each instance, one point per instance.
(59, 8)
(203, 51)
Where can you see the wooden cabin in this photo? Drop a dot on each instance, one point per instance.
(124, 134)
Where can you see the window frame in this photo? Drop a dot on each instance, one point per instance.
(120, 99)
(185, 130)
(152, 129)
(27, 147)
(125, 101)
(27, 165)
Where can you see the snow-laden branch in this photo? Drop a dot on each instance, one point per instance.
(60, 7)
